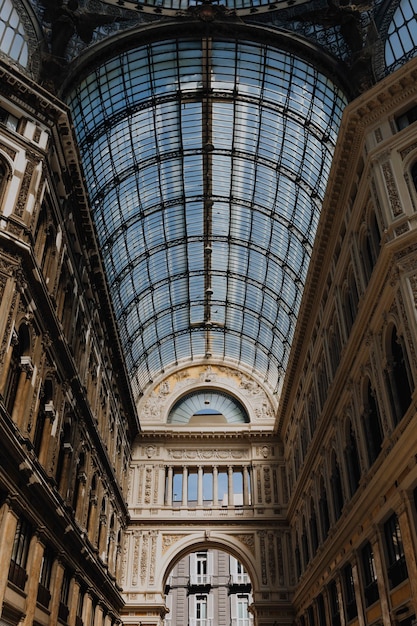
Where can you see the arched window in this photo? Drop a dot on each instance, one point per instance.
(324, 511)
(64, 457)
(336, 483)
(80, 480)
(19, 362)
(414, 174)
(352, 460)
(372, 424)
(45, 406)
(370, 245)
(4, 172)
(350, 301)
(397, 376)
(335, 346)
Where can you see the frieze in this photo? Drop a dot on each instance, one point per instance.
(392, 189)
(168, 541)
(9, 151)
(263, 557)
(148, 485)
(212, 453)
(410, 185)
(24, 188)
(136, 545)
(144, 559)
(155, 406)
(248, 540)
(407, 150)
(272, 562)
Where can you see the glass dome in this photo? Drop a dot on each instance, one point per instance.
(206, 162)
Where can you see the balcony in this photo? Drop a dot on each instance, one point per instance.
(206, 621)
(239, 578)
(200, 580)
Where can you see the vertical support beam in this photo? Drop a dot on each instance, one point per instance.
(169, 482)
(215, 486)
(8, 527)
(200, 486)
(184, 485)
(246, 485)
(36, 550)
(230, 498)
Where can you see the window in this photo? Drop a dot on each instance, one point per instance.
(401, 42)
(369, 575)
(334, 604)
(199, 568)
(17, 570)
(20, 359)
(44, 594)
(321, 610)
(414, 174)
(407, 118)
(352, 461)
(349, 588)
(242, 617)
(8, 120)
(238, 574)
(396, 565)
(397, 376)
(201, 611)
(324, 511)
(372, 424)
(45, 411)
(337, 491)
(63, 610)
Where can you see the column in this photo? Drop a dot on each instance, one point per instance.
(246, 486)
(168, 495)
(380, 574)
(340, 601)
(184, 486)
(36, 550)
(7, 532)
(253, 485)
(87, 608)
(200, 486)
(24, 384)
(358, 595)
(230, 499)
(215, 486)
(410, 557)
(99, 614)
(73, 601)
(57, 578)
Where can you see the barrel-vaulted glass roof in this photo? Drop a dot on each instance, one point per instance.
(206, 162)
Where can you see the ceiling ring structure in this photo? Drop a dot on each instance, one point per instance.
(206, 159)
